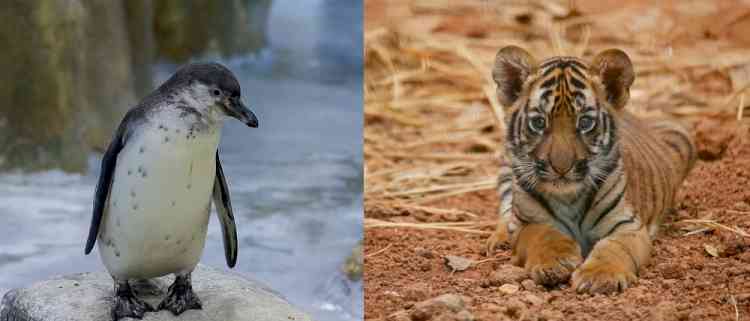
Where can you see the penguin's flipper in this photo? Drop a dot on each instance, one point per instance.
(109, 162)
(224, 209)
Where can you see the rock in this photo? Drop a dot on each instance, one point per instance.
(671, 270)
(447, 307)
(529, 285)
(453, 302)
(664, 311)
(533, 299)
(463, 315)
(88, 296)
(399, 316)
(508, 273)
(514, 308)
(425, 253)
(508, 288)
(417, 291)
(551, 315)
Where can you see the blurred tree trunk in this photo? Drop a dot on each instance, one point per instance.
(40, 87)
(140, 21)
(67, 81)
(228, 28)
(109, 76)
(72, 68)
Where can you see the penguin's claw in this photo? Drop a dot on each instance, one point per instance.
(181, 297)
(129, 305)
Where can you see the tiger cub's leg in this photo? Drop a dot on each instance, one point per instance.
(505, 224)
(614, 262)
(548, 255)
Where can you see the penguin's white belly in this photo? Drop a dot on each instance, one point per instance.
(159, 203)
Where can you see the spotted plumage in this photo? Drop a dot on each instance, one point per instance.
(585, 184)
(158, 179)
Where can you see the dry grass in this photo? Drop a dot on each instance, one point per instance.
(433, 124)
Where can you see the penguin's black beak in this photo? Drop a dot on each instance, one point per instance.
(238, 110)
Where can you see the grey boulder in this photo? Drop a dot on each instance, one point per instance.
(88, 297)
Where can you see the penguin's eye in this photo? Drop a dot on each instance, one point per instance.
(216, 92)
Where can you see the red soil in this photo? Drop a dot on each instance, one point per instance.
(683, 282)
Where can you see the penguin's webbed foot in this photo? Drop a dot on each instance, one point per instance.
(181, 296)
(127, 304)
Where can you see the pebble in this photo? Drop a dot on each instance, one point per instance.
(529, 285)
(416, 291)
(445, 307)
(425, 253)
(533, 299)
(507, 273)
(508, 288)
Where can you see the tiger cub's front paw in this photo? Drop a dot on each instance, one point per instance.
(599, 276)
(552, 268)
(499, 236)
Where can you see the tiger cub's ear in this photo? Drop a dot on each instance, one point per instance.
(512, 66)
(616, 74)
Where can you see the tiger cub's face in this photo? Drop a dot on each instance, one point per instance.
(561, 136)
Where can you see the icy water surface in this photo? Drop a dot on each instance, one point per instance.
(296, 181)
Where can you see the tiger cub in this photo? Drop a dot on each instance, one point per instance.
(588, 183)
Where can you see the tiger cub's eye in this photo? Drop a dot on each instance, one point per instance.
(586, 123)
(537, 123)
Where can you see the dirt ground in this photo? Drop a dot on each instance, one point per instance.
(700, 268)
(684, 281)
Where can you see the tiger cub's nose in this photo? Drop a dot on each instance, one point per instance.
(562, 167)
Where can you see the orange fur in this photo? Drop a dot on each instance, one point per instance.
(586, 200)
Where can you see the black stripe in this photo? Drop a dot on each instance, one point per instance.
(609, 167)
(577, 65)
(618, 224)
(677, 149)
(538, 197)
(521, 124)
(577, 83)
(549, 82)
(546, 93)
(576, 95)
(512, 128)
(586, 206)
(612, 131)
(609, 208)
(577, 71)
(549, 70)
(605, 125)
(685, 140)
(549, 63)
(619, 177)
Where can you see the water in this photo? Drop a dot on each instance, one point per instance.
(296, 181)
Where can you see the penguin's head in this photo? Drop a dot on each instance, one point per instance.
(212, 85)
